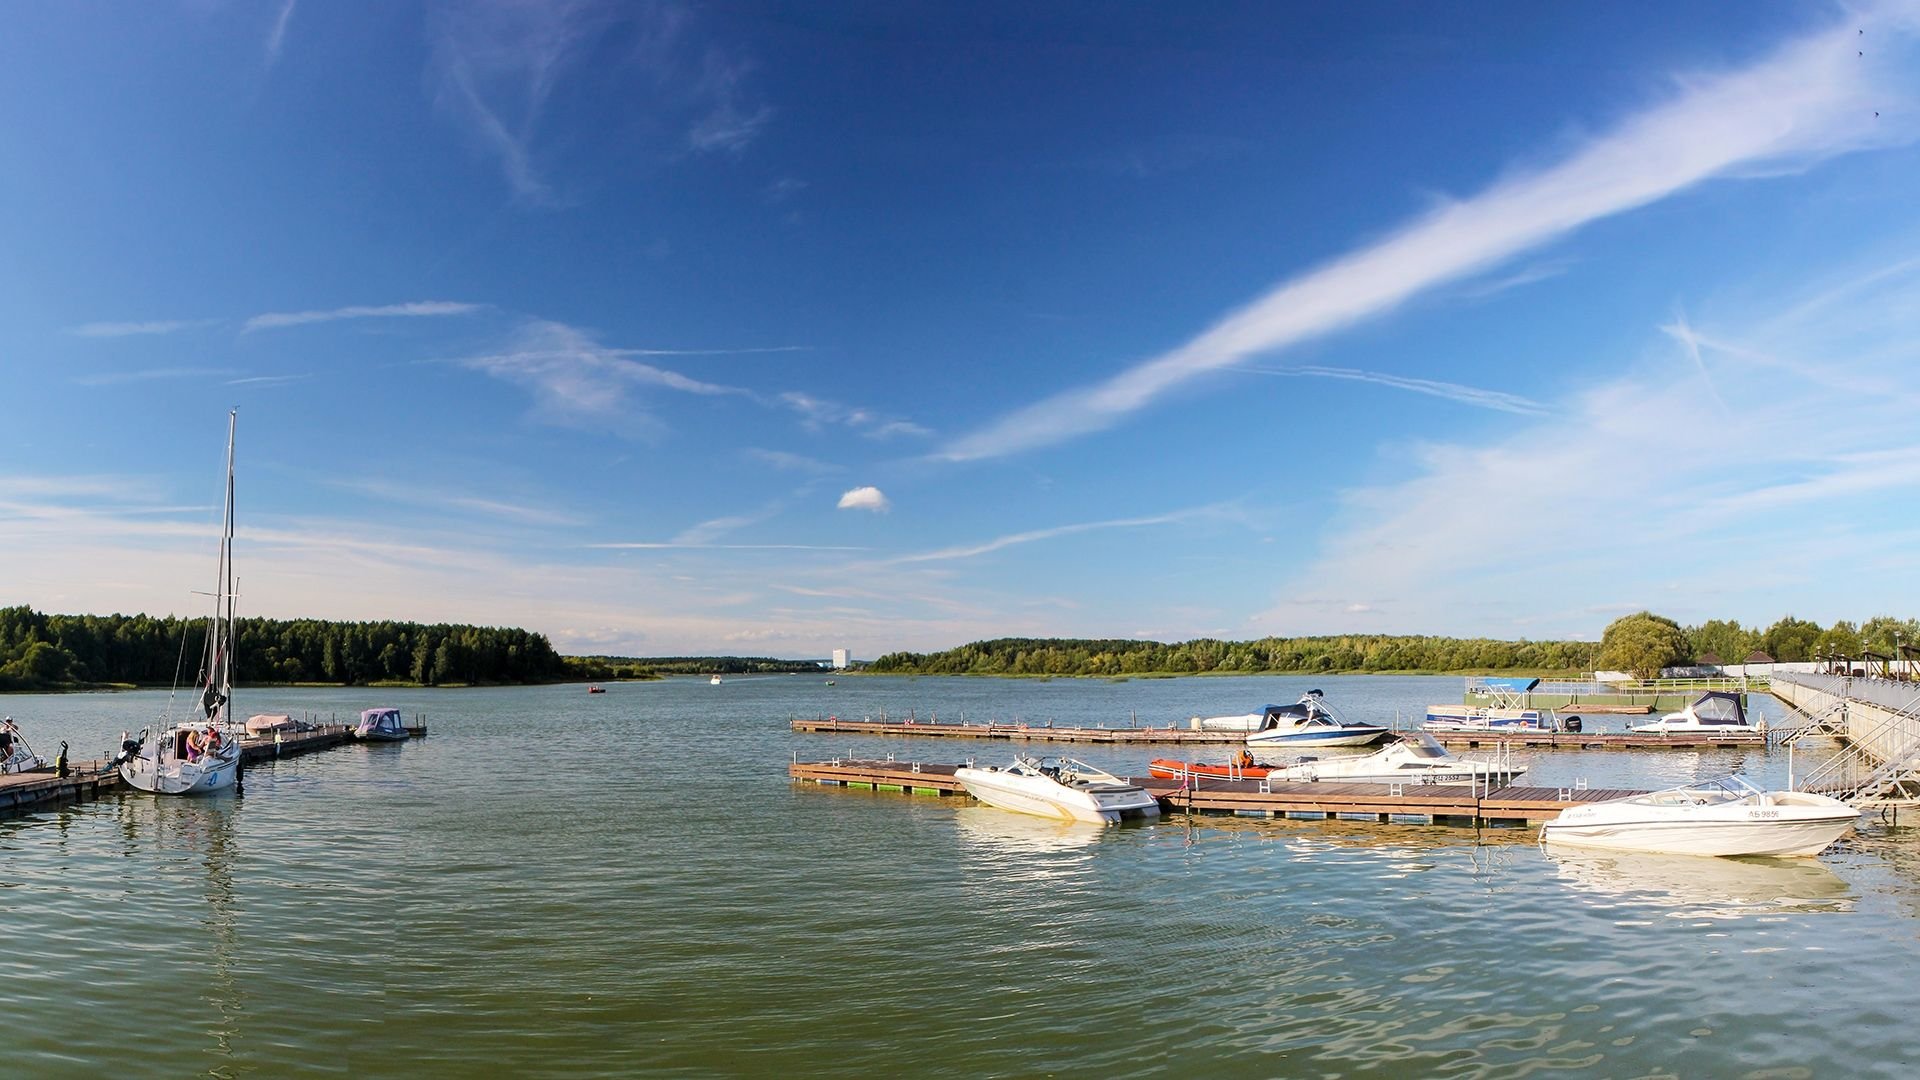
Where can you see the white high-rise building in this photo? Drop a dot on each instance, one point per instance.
(840, 659)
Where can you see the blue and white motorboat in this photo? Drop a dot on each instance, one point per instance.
(381, 725)
(1718, 712)
(1309, 722)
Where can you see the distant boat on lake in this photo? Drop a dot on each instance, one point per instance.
(596, 689)
(715, 681)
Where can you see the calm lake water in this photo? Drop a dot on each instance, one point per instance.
(562, 884)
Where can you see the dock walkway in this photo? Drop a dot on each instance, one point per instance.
(86, 780)
(1046, 733)
(1442, 804)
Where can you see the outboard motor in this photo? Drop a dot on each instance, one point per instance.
(128, 748)
(1572, 723)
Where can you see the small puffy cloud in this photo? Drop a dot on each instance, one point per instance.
(865, 498)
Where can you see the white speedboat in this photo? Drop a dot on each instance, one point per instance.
(1058, 788)
(381, 725)
(715, 681)
(203, 754)
(1728, 816)
(1714, 712)
(1418, 758)
(1308, 722)
(15, 755)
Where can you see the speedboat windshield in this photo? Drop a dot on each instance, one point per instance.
(1423, 745)
(1717, 791)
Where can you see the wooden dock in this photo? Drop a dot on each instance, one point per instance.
(1045, 733)
(87, 780)
(1440, 804)
(1018, 732)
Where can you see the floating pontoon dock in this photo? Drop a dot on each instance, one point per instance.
(1029, 732)
(1440, 804)
(86, 780)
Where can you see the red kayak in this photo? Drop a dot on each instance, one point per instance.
(1169, 769)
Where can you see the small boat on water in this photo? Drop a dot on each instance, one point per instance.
(1308, 722)
(1417, 758)
(1058, 787)
(381, 725)
(1715, 712)
(15, 755)
(715, 681)
(202, 755)
(1727, 816)
(596, 689)
(1477, 718)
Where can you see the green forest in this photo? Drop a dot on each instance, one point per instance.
(1630, 644)
(39, 651)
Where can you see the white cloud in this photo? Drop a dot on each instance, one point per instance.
(1646, 482)
(1498, 400)
(865, 498)
(112, 378)
(277, 37)
(816, 413)
(1812, 99)
(789, 462)
(415, 309)
(132, 329)
(575, 380)
(438, 497)
(968, 551)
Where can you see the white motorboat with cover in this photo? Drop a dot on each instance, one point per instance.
(1417, 757)
(381, 725)
(1728, 816)
(1058, 787)
(1716, 711)
(1308, 722)
(15, 755)
(192, 757)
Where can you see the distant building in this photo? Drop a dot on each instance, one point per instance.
(840, 659)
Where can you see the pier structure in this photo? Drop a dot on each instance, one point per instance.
(41, 789)
(1879, 722)
(1186, 736)
(1470, 805)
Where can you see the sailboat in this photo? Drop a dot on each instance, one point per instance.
(200, 755)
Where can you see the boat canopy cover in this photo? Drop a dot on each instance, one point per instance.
(1517, 685)
(1720, 706)
(384, 717)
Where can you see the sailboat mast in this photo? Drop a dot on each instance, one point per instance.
(226, 565)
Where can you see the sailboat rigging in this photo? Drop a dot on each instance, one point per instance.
(200, 755)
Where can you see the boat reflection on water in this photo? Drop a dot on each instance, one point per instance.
(192, 847)
(1698, 886)
(997, 832)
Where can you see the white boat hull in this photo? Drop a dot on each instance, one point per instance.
(1101, 804)
(1244, 722)
(1316, 735)
(1808, 836)
(215, 772)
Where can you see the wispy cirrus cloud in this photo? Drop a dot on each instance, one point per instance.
(1498, 400)
(417, 495)
(277, 37)
(412, 310)
(115, 378)
(1649, 485)
(137, 329)
(669, 545)
(968, 551)
(787, 461)
(817, 412)
(576, 380)
(1814, 98)
(496, 64)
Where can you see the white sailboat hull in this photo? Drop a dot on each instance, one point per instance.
(215, 772)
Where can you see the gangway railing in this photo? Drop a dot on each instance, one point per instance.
(1878, 766)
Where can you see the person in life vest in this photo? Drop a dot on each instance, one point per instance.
(1246, 759)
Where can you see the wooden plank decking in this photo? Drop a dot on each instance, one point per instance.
(1435, 803)
(1043, 733)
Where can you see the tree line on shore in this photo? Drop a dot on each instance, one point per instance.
(41, 651)
(1641, 643)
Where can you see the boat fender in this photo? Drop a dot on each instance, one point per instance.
(60, 761)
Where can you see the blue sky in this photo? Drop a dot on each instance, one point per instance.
(770, 329)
